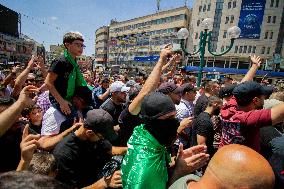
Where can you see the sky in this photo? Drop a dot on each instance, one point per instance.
(46, 21)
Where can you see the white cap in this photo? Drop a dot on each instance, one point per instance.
(118, 86)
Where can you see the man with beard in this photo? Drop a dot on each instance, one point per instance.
(203, 125)
(114, 104)
(146, 162)
(243, 115)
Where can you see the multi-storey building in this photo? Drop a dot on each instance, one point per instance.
(140, 39)
(262, 33)
(101, 44)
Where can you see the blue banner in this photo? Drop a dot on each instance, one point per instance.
(146, 58)
(251, 17)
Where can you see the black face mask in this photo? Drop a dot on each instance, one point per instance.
(163, 130)
(216, 111)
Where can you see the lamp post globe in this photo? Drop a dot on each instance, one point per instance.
(207, 24)
(183, 33)
(234, 32)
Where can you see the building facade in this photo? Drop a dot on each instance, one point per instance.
(266, 41)
(140, 39)
(101, 44)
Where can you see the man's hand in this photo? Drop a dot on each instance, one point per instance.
(256, 60)
(28, 145)
(40, 62)
(28, 95)
(115, 180)
(64, 106)
(166, 52)
(186, 122)
(191, 159)
(31, 62)
(16, 69)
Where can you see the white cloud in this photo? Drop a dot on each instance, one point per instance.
(53, 18)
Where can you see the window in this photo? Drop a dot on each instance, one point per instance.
(271, 35)
(271, 3)
(208, 7)
(222, 48)
(227, 20)
(268, 50)
(262, 50)
(245, 49)
(249, 49)
(229, 5)
(194, 48)
(268, 19)
(274, 19)
(225, 34)
(236, 49)
(198, 22)
(204, 8)
(241, 49)
(253, 49)
(232, 18)
(266, 35)
(277, 3)
(200, 7)
(196, 35)
(234, 4)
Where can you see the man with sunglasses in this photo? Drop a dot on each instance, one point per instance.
(64, 74)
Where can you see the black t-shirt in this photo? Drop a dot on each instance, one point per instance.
(204, 127)
(127, 123)
(79, 161)
(200, 105)
(62, 68)
(10, 149)
(113, 109)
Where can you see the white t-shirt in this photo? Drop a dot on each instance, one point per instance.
(51, 122)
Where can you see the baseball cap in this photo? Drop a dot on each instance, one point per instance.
(130, 83)
(248, 90)
(169, 87)
(270, 103)
(227, 91)
(100, 121)
(188, 87)
(155, 105)
(118, 86)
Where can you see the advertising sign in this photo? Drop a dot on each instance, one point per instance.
(251, 17)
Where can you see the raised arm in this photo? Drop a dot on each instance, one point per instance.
(7, 118)
(277, 114)
(256, 62)
(151, 83)
(21, 79)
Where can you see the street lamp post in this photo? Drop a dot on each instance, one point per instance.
(205, 37)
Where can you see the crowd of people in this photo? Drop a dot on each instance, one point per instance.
(63, 127)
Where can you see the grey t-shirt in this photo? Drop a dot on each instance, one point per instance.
(181, 183)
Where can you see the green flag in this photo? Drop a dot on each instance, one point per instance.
(145, 164)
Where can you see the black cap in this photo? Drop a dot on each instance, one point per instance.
(155, 105)
(100, 121)
(84, 93)
(169, 87)
(227, 91)
(248, 90)
(188, 87)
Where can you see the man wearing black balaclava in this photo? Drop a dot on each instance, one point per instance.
(146, 162)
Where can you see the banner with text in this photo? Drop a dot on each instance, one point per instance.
(251, 17)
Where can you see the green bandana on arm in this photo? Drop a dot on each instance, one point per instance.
(75, 79)
(145, 164)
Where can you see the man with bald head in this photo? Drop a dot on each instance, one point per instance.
(232, 167)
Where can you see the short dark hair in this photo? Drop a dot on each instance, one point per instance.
(27, 179)
(213, 99)
(5, 103)
(72, 36)
(43, 163)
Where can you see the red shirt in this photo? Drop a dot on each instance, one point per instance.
(243, 127)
